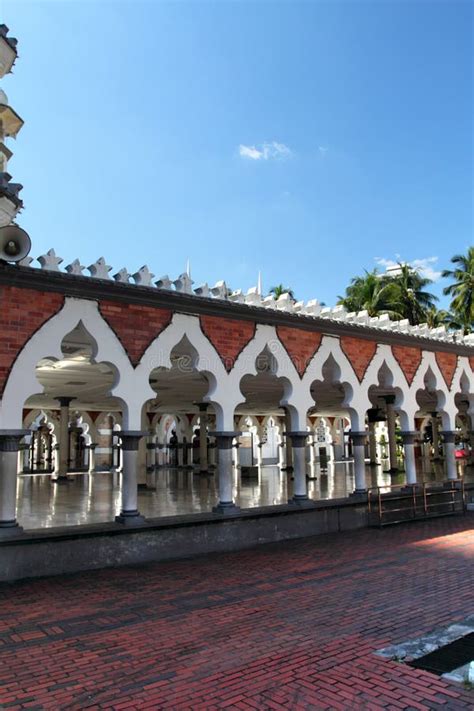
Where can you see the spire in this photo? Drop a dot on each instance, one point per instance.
(188, 268)
(259, 283)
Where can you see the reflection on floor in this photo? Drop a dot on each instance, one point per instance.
(96, 498)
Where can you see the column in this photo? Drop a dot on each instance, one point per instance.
(226, 503)
(92, 448)
(289, 453)
(237, 455)
(160, 455)
(203, 460)
(435, 434)
(312, 455)
(358, 448)
(26, 456)
(409, 450)
(212, 455)
(372, 419)
(392, 442)
(189, 455)
(129, 514)
(281, 455)
(55, 461)
(150, 455)
(39, 450)
(32, 451)
(259, 453)
(49, 461)
(61, 475)
(9, 448)
(298, 443)
(180, 453)
(449, 439)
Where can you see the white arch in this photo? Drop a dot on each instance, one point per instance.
(46, 342)
(356, 400)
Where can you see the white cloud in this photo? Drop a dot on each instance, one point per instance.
(426, 266)
(265, 151)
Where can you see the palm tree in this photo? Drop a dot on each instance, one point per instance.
(462, 290)
(411, 300)
(372, 293)
(437, 317)
(279, 290)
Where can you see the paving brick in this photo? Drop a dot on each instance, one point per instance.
(292, 625)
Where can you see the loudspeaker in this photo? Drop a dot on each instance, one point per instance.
(15, 243)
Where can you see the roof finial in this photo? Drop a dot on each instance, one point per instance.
(188, 268)
(259, 283)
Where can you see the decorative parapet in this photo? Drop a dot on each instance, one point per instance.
(184, 284)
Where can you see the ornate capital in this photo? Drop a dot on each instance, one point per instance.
(298, 439)
(131, 439)
(10, 439)
(64, 401)
(358, 438)
(224, 439)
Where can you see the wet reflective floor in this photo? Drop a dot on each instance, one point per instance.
(96, 498)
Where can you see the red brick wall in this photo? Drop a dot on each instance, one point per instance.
(228, 336)
(300, 345)
(136, 326)
(471, 361)
(409, 360)
(22, 313)
(447, 363)
(359, 352)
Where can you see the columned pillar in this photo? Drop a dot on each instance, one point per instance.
(312, 453)
(212, 455)
(26, 456)
(237, 455)
(203, 458)
(281, 455)
(61, 476)
(409, 450)
(160, 455)
(358, 448)
(39, 450)
(189, 455)
(92, 448)
(49, 458)
(372, 419)
(449, 455)
(435, 434)
(224, 440)
(298, 444)
(9, 448)
(150, 455)
(259, 454)
(392, 441)
(129, 514)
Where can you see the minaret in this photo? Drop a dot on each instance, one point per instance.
(10, 125)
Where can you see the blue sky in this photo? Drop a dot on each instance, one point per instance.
(302, 139)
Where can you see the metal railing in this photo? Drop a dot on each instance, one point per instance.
(393, 504)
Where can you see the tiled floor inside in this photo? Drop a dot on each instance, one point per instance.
(96, 498)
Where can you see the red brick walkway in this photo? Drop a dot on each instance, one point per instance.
(287, 626)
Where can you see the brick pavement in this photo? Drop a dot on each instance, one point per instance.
(285, 626)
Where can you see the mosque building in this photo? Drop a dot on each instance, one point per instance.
(126, 398)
